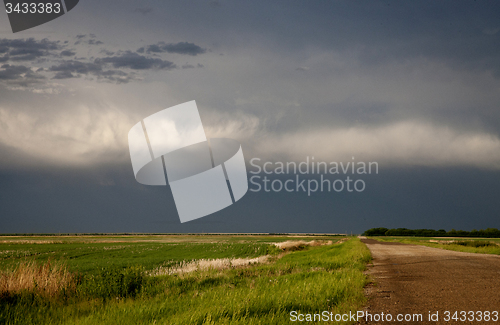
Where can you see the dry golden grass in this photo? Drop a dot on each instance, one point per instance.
(293, 245)
(215, 264)
(28, 242)
(48, 279)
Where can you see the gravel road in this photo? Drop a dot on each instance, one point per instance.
(413, 279)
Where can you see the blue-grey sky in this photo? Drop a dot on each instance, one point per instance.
(414, 86)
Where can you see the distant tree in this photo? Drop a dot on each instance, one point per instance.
(375, 232)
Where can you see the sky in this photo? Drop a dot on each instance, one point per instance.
(412, 86)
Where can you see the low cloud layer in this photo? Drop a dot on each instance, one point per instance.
(401, 144)
(79, 137)
(85, 136)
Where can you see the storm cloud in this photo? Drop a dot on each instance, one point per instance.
(179, 48)
(74, 69)
(67, 53)
(20, 75)
(135, 61)
(413, 86)
(110, 66)
(27, 49)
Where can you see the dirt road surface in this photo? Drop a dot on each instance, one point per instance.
(413, 279)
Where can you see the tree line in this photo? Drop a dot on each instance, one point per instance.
(487, 233)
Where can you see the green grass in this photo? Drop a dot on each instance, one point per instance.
(476, 245)
(311, 280)
(91, 255)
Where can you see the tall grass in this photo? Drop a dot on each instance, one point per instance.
(49, 279)
(111, 283)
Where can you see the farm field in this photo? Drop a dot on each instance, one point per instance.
(459, 244)
(178, 279)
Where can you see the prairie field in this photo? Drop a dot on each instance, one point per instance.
(459, 244)
(178, 279)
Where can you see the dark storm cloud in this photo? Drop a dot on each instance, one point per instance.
(98, 68)
(29, 43)
(372, 40)
(46, 51)
(135, 61)
(74, 69)
(27, 49)
(179, 48)
(90, 41)
(94, 42)
(106, 52)
(33, 50)
(67, 53)
(10, 72)
(19, 75)
(215, 4)
(299, 53)
(117, 76)
(461, 33)
(112, 66)
(143, 11)
(77, 67)
(63, 75)
(26, 54)
(190, 66)
(424, 198)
